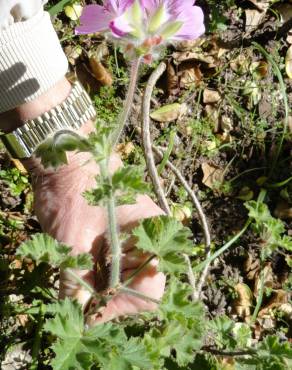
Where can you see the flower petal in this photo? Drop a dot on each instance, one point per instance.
(94, 18)
(120, 26)
(193, 24)
(118, 6)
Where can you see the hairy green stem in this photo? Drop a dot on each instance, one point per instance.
(115, 245)
(37, 339)
(122, 119)
(82, 282)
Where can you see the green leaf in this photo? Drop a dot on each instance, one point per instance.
(181, 328)
(167, 238)
(58, 8)
(52, 152)
(78, 347)
(75, 344)
(223, 326)
(43, 248)
(270, 354)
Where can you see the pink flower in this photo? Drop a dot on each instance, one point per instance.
(140, 26)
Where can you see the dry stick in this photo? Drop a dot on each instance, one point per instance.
(146, 138)
(202, 218)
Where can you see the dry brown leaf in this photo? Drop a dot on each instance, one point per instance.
(125, 149)
(83, 74)
(73, 53)
(226, 123)
(172, 79)
(253, 18)
(181, 57)
(243, 303)
(283, 210)
(190, 76)
(268, 279)
(278, 299)
(286, 308)
(212, 175)
(188, 44)
(240, 64)
(180, 212)
(22, 319)
(101, 74)
(251, 267)
(211, 96)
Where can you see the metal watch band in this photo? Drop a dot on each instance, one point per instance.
(70, 115)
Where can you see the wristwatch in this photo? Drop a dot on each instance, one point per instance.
(76, 109)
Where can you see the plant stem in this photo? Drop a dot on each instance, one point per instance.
(37, 339)
(82, 282)
(209, 260)
(139, 269)
(122, 119)
(191, 278)
(146, 137)
(115, 244)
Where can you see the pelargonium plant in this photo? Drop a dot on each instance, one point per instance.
(140, 27)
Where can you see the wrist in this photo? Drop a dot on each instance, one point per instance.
(15, 118)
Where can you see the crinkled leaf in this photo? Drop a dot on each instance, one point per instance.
(133, 353)
(74, 342)
(78, 347)
(222, 327)
(43, 248)
(167, 238)
(182, 325)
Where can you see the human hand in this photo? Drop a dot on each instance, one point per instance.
(64, 213)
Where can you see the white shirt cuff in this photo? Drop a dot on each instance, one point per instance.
(31, 60)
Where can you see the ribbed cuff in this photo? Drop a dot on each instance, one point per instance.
(31, 61)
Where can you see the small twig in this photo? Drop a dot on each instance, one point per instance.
(137, 294)
(193, 197)
(148, 151)
(146, 138)
(202, 217)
